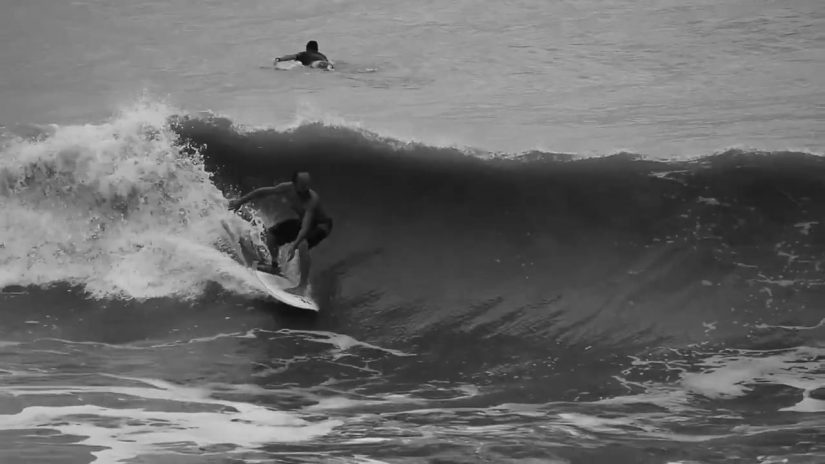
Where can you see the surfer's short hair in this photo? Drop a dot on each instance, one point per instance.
(312, 45)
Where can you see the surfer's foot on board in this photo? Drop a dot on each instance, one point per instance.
(270, 269)
(299, 290)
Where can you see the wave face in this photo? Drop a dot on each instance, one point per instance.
(582, 251)
(601, 250)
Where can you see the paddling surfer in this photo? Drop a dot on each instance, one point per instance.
(310, 57)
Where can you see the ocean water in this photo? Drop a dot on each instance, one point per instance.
(574, 232)
(658, 77)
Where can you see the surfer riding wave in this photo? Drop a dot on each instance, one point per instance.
(302, 233)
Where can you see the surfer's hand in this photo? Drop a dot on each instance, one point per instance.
(290, 252)
(234, 204)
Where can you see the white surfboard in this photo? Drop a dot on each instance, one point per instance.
(289, 65)
(275, 285)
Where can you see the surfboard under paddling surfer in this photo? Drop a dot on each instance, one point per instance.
(302, 233)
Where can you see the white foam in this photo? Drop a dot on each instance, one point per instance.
(709, 326)
(709, 201)
(126, 433)
(808, 405)
(341, 342)
(792, 327)
(339, 403)
(805, 227)
(778, 282)
(116, 209)
(733, 375)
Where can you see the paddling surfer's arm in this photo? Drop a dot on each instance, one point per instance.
(292, 57)
(257, 193)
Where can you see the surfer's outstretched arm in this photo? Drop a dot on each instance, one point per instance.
(292, 57)
(257, 193)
